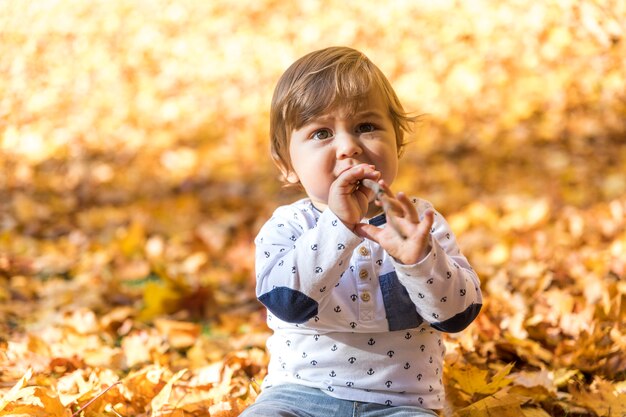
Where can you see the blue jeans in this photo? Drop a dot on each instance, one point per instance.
(291, 400)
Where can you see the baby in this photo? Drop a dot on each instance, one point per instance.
(359, 282)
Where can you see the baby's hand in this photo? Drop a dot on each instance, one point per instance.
(404, 237)
(347, 198)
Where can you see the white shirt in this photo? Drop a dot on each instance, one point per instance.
(350, 320)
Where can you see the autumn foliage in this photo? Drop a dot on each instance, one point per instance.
(134, 176)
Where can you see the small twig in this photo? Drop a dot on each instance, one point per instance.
(374, 186)
(380, 196)
(95, 398)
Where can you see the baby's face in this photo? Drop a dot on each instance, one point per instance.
(335, 141)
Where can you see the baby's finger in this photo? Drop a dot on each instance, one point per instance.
(357, 173)
(393, 205)
(392, 219)
(410, 212)
(386, 189)
(368, 231)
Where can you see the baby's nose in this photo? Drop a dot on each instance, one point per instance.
(347, 145)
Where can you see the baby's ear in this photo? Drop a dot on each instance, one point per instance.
(291, 177)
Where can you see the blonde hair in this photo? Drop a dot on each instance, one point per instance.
(319, 82)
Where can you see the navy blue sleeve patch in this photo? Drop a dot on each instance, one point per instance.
(289, 305)
(400, 310)
(460, 321)
(378, 220)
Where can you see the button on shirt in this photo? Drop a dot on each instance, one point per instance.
(350, 320)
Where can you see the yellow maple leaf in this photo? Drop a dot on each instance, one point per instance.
(159, 298)
(471, 379)
(500, 404)
(33, 402)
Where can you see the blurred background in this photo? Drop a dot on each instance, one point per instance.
(134, 163)
(110, 100)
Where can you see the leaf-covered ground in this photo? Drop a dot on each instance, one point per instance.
(134, 175)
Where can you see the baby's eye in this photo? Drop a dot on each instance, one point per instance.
(365, 128)
(322, 134)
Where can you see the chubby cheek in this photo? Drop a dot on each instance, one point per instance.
(319, 177)
(388, 166)
(315, 176)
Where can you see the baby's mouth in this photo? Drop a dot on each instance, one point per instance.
(352, 165)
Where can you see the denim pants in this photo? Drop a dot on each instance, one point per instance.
(291, 400)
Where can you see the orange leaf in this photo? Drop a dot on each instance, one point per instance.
(471, 379)
(500, 404)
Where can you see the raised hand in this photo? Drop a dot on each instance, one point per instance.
(347, 198)
(405, 237)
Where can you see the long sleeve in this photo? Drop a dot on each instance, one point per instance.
(298, 263)
(443, 286)
(348, 319)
